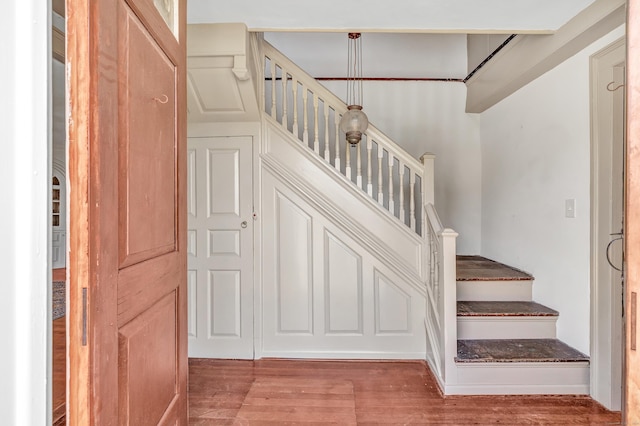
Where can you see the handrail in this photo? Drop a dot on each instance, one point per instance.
(378, 166)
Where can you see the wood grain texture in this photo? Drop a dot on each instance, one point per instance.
(361, 392)
(632, 211)
(59, 368)
(99, 65)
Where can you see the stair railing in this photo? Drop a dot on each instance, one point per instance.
(377, 165)
(441, 321)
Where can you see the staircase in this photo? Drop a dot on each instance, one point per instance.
(506, 342)
(353, 255)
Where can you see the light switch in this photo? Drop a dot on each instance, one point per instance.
(570, 208)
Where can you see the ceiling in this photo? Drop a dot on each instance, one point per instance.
(412, 39)
(406, 16)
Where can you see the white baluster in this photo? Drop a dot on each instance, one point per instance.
(327, 153)
(380, 179)
(336, 119)
(347, 160)
(316, 143)
(285, 121)
(359, 167)
(305, 101)
(391, 202)
(369, 166)
(412, 200)
(273, 90)
(401, 192)
(294, 87)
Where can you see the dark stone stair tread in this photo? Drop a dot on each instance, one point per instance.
(503, 309)
(478, 268)
(517, 350)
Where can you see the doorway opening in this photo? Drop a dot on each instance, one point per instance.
(607, 205)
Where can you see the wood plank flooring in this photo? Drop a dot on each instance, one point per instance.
(361, 392)
(59, 368)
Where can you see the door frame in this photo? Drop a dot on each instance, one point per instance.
(604, 317)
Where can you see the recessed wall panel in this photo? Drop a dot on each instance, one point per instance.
(224, 243)
(343, 287)
(294, 268)
(223, 181)
(224, 303)
(392, 307)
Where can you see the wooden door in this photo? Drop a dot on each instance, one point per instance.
(220, 241)
(127, 149)
(631, 414)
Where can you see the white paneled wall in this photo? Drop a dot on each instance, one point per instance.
(323, 293)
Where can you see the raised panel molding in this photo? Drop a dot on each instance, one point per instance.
(223, 193)
(223, 242)
(192, 242)
(192, 298)
(335, 277)
(294, 277)
(221, 78)
(192, 186)
(392, 307)
(343, 287)
(224, 304)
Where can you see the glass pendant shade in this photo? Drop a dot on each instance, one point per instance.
(354, 122)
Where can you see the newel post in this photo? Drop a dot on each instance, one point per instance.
(428, 193)
(449, 304)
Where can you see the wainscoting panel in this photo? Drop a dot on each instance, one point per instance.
(324, 294)
(343, 287)
(294, 268)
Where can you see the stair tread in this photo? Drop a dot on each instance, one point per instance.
(503, 309)
(517, 350)
(478, 268)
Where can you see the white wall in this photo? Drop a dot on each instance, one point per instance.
(535, 155)
(428, 116)
(24, 29)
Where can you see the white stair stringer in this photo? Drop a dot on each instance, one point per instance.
(342, 278)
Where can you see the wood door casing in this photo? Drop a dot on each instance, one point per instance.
(127, 171)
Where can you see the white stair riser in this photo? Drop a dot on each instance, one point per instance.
(506, 291)
(520, 378)
(506, 327)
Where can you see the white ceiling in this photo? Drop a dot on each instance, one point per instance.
(401, 39)
(461, 16)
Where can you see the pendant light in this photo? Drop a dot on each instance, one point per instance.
(354, 122)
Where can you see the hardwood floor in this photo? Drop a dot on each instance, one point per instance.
(59, 369)
(361, 392)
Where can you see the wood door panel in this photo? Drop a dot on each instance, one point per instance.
(149, 380)
(147, 178)
(135, 294)
(127, 151)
